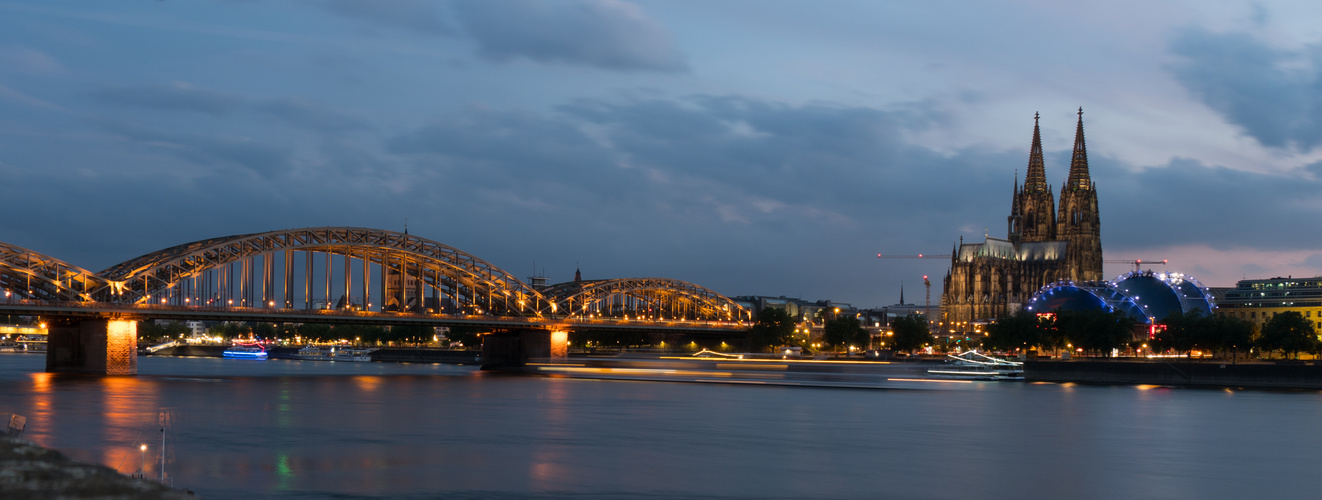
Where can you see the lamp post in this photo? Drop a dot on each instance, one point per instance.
(142, 469)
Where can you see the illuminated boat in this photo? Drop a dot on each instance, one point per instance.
(332, 353)
(245, 351)
(971, 365)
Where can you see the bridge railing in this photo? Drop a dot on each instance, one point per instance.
(340, 314)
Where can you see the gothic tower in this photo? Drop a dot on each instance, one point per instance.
(1080, 223)
(1036, 205)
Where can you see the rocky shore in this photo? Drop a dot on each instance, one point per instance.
(30, 471)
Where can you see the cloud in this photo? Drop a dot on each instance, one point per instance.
(1187, 202)
(1271, 93)
(421, 16)
(310, 115)
(610, 34)
(177, 96)
(222, 154)
(29, 60)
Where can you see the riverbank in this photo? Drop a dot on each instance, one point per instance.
(30, 471)
(384, 354)
(1211, 374)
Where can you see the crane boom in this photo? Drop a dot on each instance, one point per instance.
(1137, 263)
(918, 256)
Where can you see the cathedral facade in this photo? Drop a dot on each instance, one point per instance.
(1045, 243)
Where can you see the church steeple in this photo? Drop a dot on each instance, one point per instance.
(1080, 222)
(1034, 211)
(1036, 181)
(1079, 177)
(1014, 221)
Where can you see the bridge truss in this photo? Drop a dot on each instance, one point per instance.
(658, 299)
(347, 268)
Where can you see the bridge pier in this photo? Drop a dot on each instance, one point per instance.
(93, 346)
(514, 350)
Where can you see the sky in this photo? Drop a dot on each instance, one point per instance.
(754, 147)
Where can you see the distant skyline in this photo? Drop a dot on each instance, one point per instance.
(752, 147)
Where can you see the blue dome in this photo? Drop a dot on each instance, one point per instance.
(1156, 297)
(1143, 295)
(1071, 297)
(1066, 298)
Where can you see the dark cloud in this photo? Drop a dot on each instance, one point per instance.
(174, 97)
(301, 113)
(609, 34)
(310, 115)
(742, 195)
(422, 16)
(221, 154)
(1188, 202)
(1275, 95)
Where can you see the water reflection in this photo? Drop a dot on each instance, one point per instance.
(288, 430)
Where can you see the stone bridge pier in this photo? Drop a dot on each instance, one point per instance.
(93, 346)
(513, 350)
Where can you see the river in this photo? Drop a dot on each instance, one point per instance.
(304, 429)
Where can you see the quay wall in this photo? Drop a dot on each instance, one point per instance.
(387, 354)
(1257, 375)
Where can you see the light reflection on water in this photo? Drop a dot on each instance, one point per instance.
(293, 429)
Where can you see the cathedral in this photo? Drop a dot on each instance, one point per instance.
(1045, 244)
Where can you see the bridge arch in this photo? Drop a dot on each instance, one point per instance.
(208, 271)
(641, 298)
(33, 275)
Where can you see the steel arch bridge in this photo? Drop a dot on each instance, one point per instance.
(642, 298)
(311, 267)
(42, 277)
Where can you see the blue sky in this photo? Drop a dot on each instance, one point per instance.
(753, 147)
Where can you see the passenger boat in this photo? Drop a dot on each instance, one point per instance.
(333, 353)
(971, 365)
(245, 351)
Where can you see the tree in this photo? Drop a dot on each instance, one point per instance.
(466, 335)
(1096, 331)
(910, 333)
(1232, 334)
(845, 331)
(264, 331)
(1289, 333)
(154, 332)
(1184, 332)
(774, 327)
(1023, 330)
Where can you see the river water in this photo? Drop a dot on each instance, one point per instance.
(301, 429)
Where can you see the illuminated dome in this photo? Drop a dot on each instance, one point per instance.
(1088, 296)
(1162, 294)
(1144, 295)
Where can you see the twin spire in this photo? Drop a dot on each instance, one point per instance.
(1036, 181)
(1079, 178)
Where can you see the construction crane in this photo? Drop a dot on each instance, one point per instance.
(1137, 263)
(919, 256)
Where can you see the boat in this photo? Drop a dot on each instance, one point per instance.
(245, 351)
(334, 353)
(971, 365)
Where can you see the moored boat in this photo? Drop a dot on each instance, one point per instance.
(245, 351)
(334, 353)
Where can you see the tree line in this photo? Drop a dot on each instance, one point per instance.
(775, 328)
(1100, 332)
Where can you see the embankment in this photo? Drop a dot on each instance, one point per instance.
(1257, 375)
(30, 471)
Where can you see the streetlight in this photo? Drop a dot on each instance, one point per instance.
(142, 470)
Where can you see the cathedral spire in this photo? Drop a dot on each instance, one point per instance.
(1036, 181)
(1079, 177)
